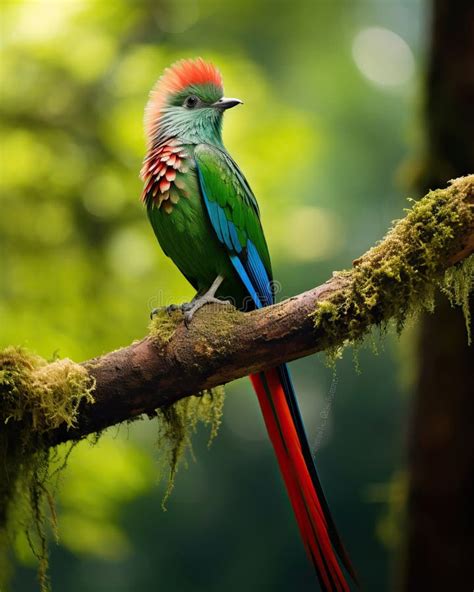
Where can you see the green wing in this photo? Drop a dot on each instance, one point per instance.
(234, 215)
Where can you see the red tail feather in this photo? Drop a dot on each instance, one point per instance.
(309, 514)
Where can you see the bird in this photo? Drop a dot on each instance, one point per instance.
(207, 220)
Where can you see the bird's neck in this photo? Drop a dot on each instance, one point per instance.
(206, 128)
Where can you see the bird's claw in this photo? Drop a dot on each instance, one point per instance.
(169, 309)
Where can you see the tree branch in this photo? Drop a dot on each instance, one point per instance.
(222, 344)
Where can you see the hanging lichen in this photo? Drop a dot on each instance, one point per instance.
(458, 284)
(399, 276)
(177, 424)
(35, 397)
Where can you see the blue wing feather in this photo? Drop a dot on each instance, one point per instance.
(223, 223)
(213, 211)
(247, 281)
(259, 275)
(234, 237)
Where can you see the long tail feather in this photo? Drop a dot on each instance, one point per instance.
(285, 428)
(336, 541)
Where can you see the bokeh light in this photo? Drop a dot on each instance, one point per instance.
(383, 57)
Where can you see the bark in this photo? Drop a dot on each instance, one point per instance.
(440, 512)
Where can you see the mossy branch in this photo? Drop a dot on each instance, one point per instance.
(45, 404)
(391, 281)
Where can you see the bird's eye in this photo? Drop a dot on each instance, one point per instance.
(191, 102)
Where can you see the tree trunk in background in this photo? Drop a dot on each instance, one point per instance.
(440, 537)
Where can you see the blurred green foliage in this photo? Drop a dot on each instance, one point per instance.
(327, 121)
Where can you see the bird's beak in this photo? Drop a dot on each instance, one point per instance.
(226, 103)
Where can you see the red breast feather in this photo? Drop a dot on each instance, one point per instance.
(162, 173)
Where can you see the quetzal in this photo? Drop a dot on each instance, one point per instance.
(207, 219)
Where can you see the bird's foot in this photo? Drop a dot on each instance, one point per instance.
(189, 308)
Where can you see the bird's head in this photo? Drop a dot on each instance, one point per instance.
(187, 102)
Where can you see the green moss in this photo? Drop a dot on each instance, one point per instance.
(219, 325)
(458, 284)
(163, 325)
(399, 276)
(179, 421)
(35, 397)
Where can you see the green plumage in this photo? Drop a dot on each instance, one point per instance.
(186, 234)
